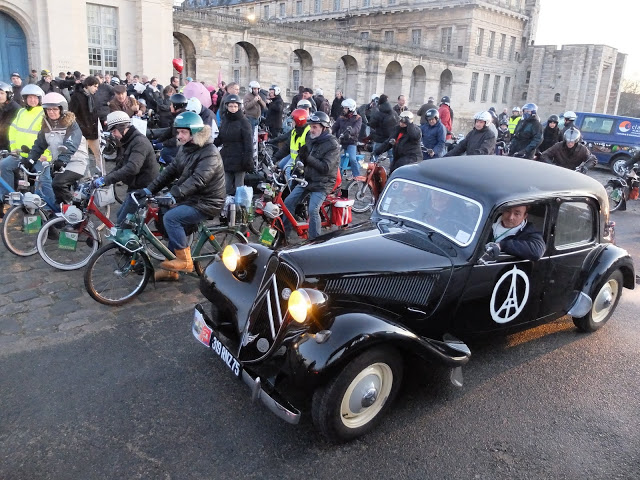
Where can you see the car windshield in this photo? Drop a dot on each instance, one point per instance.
(454, 216)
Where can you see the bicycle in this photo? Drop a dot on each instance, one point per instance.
(120, 270)
(365, 190)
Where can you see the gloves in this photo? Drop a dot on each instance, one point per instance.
(98, 182)
(492, 249)
(58, 165)
(175, 192)
(430, 152)
(142, 193)
(303, 153)
(392, 141)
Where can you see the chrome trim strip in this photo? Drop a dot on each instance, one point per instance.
(277, 297)
(270, 313)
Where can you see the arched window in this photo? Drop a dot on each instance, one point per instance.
(524, 95)
(556, 97)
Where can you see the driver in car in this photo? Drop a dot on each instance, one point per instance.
(514, 235)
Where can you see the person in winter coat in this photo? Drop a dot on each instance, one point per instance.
(504, 137)
(479, 141)
(322, 104)
(424, 108)
(551, 134)
(321, 159)
(101, 99)
(346, 129)
(406, 142)
(287, 155)
(8, 110)
(570, 153)
(47, 84)
(164, 107)
(197, 176)
(236, 138)
(152, 94)
(446, 115)
(433, 135)
(514, 235)
(528, 134)
(383, 121)
(275, 107)
(569, 121)
(166, 136)
(121, 102)
(83, 106)
(59, 128)
(253, 104)
(336, 106)
(514, 119)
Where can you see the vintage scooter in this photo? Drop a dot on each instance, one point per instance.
(365, 190)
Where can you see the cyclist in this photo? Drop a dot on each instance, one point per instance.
(406, 141)
(434, 135)
(528, 134)
(347, 129)
(198, 188)
(570, 153)
(165, 136)
(481, 140)
(288, 153)
(8, 111)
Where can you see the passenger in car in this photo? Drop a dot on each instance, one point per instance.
(514, 235)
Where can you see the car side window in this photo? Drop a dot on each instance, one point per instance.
(597, 125)
(575, 225)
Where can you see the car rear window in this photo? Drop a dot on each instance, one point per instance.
(453, 215)
(575, 225)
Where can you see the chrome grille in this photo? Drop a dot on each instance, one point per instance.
(414, 288)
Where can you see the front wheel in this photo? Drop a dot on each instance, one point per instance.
(65, 246)
(20, 230)
(362, 195)
(114, 275)
(618, 165)
(604, 303)
(354, 401)
(615, 194)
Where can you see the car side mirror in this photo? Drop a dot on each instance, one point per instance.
(491, 253)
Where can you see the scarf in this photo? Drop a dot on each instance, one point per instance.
(501, 232)
(90, 99)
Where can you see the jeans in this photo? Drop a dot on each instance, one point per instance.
(233, 180)
(352, 151)
(287, 164)
(254, 122)
(174, 222)
(315, 202)
(11, 163)
(128, 206)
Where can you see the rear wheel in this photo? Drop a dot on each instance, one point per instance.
(605, 300)
(64, 246)
(615, 194)
(114, 275)
(223, 237)
(362, 195)
(618, 165)
(20, 230)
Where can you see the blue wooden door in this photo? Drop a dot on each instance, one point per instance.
(13, 49)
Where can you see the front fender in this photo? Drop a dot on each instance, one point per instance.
(351, 333)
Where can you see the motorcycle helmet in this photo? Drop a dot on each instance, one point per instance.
(117, 119)
(571, 116)
(319, 118)
(515, 110)
(350, 104)
(532, 110)
(7, 89)
(572, 134)
(115, 81)
(53, 99)
(304, 103)
(406, 117)
(375, 97)
(45, 73)
(319, 91)
(432, 113)
(253, 85)
(233, 98)
(178, 100)
(190, 121)
(300, 116)
(483, 116)
(194, 105)
(446, 100)
(504, 122)
(32, 89)
(276, 89)
(553, 118)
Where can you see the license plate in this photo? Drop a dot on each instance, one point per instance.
(205, 335)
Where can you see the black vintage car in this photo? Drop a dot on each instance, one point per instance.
(329, 325)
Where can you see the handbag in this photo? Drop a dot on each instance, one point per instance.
(104, 196)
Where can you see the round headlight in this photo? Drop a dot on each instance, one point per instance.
(299, 305)
(230, 257)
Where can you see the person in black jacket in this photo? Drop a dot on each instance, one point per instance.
(166, 136)
(336, 106)
(137, 166)
(321, 159)
(528, 133)
(275, 106)
(479, 141)
(406, 142)
(102, 97)
(197, 176)
(236, 137)
(550, 134)
(514, 235)
(382, 123)
(347, 128)
(86, 111)
(164, 107)
(570, 153)
(8, 110)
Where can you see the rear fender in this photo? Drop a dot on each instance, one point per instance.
(609, 258)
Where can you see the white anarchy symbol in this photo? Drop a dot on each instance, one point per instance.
(511, 307)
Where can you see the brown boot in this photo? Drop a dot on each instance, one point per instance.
(165, 276)
(182, 262)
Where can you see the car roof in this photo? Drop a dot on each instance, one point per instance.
(494, 180)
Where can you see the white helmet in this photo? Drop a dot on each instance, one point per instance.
(275, 88)
(254, 84)
(406, 116)
(350, 104)
(516, 109)
(570, 115)
(319, 91)
(53, 99)
(483, 116)
(117, 118)
(304, 103)
(375, 97)
(32, 89)
(194, 105)
(139, 87)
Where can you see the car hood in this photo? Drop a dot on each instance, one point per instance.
(371, 248)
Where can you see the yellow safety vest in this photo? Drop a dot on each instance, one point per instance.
(513, 123)
(297, 141)
(25, 128)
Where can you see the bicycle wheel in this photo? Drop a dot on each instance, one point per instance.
(616, 196)
(20, 230)
(362, 195)
(62, 246)
(224, 236)
(114, 276)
